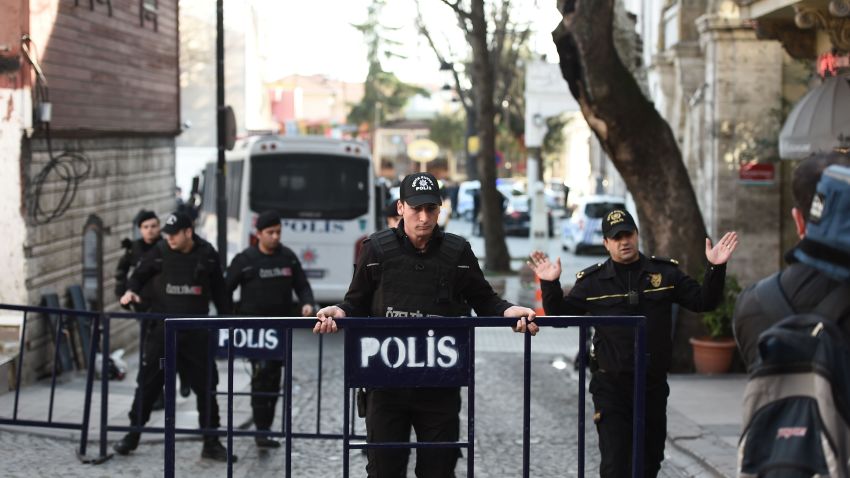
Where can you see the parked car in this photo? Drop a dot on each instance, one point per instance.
(582, 232)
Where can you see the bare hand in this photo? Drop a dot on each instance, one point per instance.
(306, 310)
(326, 323)
(723, 250)
(526, 317)
(543, 267)
(128, 297)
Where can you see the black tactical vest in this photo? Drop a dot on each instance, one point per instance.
(266, 287)
(412, 286)
(138, 249)
(183, 284)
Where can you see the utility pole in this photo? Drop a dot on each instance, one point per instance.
(221, 198)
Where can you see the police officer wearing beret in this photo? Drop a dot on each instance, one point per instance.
(630, 283)
(186, 274)
(267, 273)
(416, 267)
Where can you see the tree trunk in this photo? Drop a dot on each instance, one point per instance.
(497, 257)
(638, 140)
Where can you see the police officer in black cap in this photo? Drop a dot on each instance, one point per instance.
(417, 268)
(630, 283)
(185, 272)
(267, 274)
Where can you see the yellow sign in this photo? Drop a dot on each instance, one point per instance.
(473, 145)
(422, 150)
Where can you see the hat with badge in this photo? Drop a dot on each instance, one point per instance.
(420, 188)
(617, 221)
(176, 222)
(826, 246)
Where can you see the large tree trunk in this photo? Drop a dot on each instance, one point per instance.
(633, 134)
(497, 257)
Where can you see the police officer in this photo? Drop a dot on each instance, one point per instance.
(148, 224)
(185, 273)
(418, 268)
(267, 274)
(391, 213)
(630, 283)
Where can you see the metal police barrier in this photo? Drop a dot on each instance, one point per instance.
(404, 350)
(59, 332)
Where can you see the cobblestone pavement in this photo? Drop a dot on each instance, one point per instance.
(498, 441)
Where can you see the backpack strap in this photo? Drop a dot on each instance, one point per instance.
(836, 305)
(771, 297)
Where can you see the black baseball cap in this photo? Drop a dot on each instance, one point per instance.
(617, 221)
(420, 188)
(176, 222)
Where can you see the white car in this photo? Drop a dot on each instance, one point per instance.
(582, 232)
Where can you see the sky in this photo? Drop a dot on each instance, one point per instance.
(316, 37)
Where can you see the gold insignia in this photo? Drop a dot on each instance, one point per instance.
(580, 275)
(655, 279)
(614, 217)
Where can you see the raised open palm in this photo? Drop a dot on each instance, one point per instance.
(543, 267)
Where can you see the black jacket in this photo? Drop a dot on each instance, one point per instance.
(804, 287)
(151, 265)
(133, 253)
(273, 295)
(599, 292)
(472, 287)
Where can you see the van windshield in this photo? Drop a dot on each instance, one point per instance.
(596, 210)
(310, 186)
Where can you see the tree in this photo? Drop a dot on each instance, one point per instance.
(638, 140)
(495, 44)
(384, 94)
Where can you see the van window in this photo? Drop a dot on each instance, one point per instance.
(310, 186)
(598, 209)
(233, 188)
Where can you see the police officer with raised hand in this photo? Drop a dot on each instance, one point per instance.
(186, 274)
(267, 274)
(631, 284)
(419, 270)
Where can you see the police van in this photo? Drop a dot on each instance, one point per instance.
(324, 190)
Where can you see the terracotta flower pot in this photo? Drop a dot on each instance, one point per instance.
(713, 355)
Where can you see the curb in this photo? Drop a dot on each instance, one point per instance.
(702, 445)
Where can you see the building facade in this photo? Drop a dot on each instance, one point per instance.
(90, 101)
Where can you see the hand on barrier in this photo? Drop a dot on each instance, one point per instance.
(543, 267)
(326, 323)
(526, 317)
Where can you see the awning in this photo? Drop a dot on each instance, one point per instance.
(820, 122)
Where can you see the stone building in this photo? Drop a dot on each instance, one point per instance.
(90, 111)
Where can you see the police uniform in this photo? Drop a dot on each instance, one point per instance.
(133, 253)
(393, 277)
(183, 284)
(266, 284)
(648, 287)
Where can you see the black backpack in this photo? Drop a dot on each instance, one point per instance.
(796, 409)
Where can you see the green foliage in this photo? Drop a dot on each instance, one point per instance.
(384, 94)
(719, 320)
(448, 132)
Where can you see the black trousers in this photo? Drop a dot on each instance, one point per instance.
(433, 414)
(613, 406)
(193, 362)
(265, 377)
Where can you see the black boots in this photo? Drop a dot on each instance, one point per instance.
(266, 442)
(214, 450)
(127, 444)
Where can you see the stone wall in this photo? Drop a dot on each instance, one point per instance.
(126, 174)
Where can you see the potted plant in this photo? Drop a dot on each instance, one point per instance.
(713, 353)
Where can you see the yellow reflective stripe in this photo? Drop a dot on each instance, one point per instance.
(660, 288)
(607, 296)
